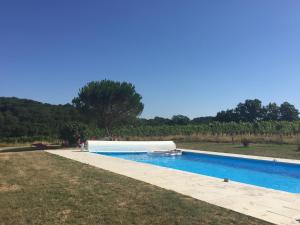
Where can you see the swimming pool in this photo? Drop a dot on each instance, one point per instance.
(268, 174)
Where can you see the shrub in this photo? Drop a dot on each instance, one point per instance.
(72, 132)
(245, 142)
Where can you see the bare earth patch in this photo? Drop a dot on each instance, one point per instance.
(9, 187)
(65, 214)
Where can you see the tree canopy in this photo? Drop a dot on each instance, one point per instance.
(288, 112)
(109, 103)
(271, 112)
(180, 120)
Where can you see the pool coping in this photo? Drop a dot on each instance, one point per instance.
(267, 204)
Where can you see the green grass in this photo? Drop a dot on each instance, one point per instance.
(39, 188)
(270, 150)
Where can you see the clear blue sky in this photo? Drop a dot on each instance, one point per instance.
(186, 57)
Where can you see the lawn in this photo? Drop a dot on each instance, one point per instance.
(270, 150)
(40, 188)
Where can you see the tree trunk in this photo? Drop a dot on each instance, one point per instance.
(108, 132)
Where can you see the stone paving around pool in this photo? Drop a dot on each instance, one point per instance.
(270, 205)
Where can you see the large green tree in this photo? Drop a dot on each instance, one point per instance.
(109, 103)
(288, 112)
(250, 110)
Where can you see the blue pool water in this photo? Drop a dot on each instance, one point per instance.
(269, 174)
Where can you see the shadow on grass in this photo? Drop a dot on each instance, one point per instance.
(29, 148)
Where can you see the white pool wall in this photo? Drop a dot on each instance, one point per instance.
(129, 146)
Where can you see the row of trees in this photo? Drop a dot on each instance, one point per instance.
(107, 108)
(253, 110)
(175, 120)
(249, 111)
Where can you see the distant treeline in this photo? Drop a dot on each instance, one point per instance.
(249, 111)
(253, 110)
(31, 120)
(28, 118)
